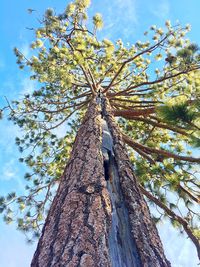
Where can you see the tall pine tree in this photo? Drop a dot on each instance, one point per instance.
(92, 182)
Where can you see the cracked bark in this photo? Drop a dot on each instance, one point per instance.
(78, 228)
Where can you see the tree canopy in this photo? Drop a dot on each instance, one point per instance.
(153, 87)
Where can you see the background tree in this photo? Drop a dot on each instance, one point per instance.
(157, 101)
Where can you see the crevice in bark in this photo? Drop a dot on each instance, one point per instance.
(122, 248)
(78, 229)
(143, 231)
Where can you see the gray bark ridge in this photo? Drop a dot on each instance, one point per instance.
(122, 248)
(143, 230)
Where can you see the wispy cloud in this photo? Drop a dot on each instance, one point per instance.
(117, 15)
(13, 243)
(25, 49)
(9, 170)
(27, 86)
(8, 174)
(129, 8)
(161, 9)
(61, 130)
(11, 176)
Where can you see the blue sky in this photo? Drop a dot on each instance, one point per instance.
(125, 19)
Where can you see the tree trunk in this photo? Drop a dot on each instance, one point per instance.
(143, 229)
(93, 222)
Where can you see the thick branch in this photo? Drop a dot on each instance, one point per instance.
(128, 114)
(83, 70)
(134, 101)
(142, 106)
(151, 150)
(144, 155)
(174, 216)
(157, 124)
(87, 79)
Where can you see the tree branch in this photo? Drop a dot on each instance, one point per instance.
(134, 101)
(150, 49)
(128, 114)
(174, 216)
(157, 124)
(162, 79)
(144, 155)
(189, 193)
(164, 153)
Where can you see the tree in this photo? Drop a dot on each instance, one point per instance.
(157, 104)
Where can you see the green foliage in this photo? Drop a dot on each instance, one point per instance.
(70, 62)
(195, 142)
(82, 3)
(98, 21)
(196, 232)
(177, 113)
(188, 53)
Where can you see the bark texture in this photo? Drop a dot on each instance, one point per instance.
(143, 229)
(76, 229)
(94, 223)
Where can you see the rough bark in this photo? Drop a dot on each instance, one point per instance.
(143, 229)
(76, 229)
(93, 222)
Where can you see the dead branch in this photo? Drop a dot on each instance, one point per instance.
(174, 216)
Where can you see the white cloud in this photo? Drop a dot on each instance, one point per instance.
(9, 170)
(11, 175)
(61, 130)
(8, 174)
(161, 9)
(28, 86)
(25, 50)
(117, 15)
(108, 26)
(129, 9)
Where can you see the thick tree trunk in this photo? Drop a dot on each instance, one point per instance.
(76, 229)
(93, 222)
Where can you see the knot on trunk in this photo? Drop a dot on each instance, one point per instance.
(90, 188)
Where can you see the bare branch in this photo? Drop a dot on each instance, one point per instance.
(66, 118)
(164, 153)
(157, 124)
(174, 216)
(128, 114)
